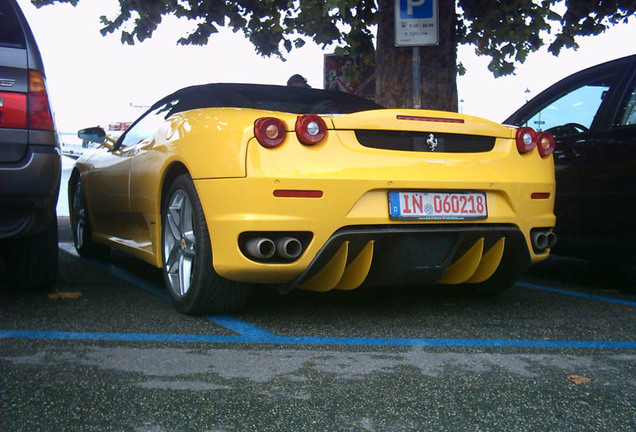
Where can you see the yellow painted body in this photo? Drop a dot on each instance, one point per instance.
(235, 178)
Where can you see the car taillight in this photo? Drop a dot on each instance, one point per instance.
(13, 110)
(526, 139)
(310, 129)
(545, 143)
(40, 116)
(269, 131)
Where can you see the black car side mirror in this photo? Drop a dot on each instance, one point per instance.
(98, 135)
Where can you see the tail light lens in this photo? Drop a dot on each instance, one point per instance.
(310, 129)
(13, 110)
(545, 143)
(269, 131)
(40, 116)
(526, 139)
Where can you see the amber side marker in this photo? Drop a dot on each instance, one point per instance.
(290, 193)
(430, 119)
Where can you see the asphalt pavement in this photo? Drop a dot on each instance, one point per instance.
(556, 352)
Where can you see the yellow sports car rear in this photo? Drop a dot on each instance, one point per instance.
(227, 187)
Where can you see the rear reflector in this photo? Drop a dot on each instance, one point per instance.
(290, 193)
(13, 110)
(540, 195)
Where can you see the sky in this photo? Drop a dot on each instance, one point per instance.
(95, 80)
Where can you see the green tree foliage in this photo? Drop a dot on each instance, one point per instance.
(505, 30)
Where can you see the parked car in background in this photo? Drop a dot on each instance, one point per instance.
(592, 115)
(228, 186)
(29, 158)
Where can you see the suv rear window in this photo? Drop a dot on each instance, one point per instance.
(11, 34)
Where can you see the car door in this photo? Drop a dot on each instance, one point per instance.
(610, 176)
(145, 164)
(573, 111)
(106, 187)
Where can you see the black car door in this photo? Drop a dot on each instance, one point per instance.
(609, 176)
(573, 110)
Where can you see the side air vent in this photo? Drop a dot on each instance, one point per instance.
(424, 141)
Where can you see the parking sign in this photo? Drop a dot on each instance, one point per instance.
(416, 22)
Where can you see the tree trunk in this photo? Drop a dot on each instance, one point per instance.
(438, 64)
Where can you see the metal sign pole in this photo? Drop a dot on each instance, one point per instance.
(417, 80)
(416, 24)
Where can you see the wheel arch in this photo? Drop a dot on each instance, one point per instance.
(171, 173)
(75, 173)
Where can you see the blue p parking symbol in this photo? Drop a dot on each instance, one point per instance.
(413, 9)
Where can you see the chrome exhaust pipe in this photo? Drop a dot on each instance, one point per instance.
(539, 240)
(552, 239)
(260, 247)
(288, 247)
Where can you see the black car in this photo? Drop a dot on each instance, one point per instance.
(29, 158)
(592, 115)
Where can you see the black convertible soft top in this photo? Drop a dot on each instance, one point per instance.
(265, 97)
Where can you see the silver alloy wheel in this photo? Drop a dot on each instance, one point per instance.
(179, 243)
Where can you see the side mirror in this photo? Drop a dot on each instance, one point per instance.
(96, 134)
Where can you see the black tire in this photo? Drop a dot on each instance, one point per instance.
(81, 224)
(187, 256)
(31, 262)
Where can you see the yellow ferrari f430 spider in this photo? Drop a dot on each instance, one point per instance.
(230, 186)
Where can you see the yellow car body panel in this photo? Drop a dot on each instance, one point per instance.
(355, 182)
(235, 179)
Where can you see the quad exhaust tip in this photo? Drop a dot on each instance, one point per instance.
(260, 248)
(542, 240)
(288, 247)
(273, 248)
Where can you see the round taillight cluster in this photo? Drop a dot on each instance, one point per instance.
(271, 131)
(310, 129)
(527, 139)
(545, 143)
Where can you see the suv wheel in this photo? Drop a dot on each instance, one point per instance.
(31, 262)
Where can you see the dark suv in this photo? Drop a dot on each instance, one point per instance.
(29, 158)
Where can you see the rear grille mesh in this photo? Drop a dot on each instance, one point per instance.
(424, 141)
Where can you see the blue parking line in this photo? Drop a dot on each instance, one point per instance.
(249, 333)
(239, 326)
(602, 298)
(310, 340)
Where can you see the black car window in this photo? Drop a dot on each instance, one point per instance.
(11, 34)
(573, 111)
(627, 111)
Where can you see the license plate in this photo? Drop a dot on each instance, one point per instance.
(437, 205)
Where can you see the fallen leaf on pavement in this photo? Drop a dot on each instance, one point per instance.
(65, 295)
(578, 379)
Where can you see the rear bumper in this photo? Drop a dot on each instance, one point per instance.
(29, 192)
(409, 255)
(355, 209)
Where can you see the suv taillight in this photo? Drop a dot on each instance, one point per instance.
(13, 110)
(40, 116)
